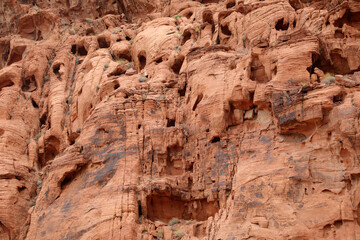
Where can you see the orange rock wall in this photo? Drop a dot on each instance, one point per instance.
(135, 119)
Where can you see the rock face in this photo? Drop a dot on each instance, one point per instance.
(209, 119)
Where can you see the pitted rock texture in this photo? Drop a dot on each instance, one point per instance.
(137, 119)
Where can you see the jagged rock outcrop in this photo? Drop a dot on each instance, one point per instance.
(209, 119)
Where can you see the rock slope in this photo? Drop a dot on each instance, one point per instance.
(207, 119)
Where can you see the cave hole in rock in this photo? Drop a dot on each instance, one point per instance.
(140, 208)
(39, 36)
(6, 83)
(43, 119)
(127, 38)
(230, 3)
(72, 137)
(56, 69)
(29, 84)
(116, 85)
(139, 126)
(170, 122)
(73, 49)
(163, 206)
(125, 55)
(16, 54)
(142, 61)
(294, 23)
(103, 43)
(35, 105)
(186, 36)
(339, 99)
(296, 4)
(20, 189)
(257, 71)
(225, 30)
(182, 91)
(158, 60)
(176, 67)
(68, 177)
(336, 64)
(208, 17)
(52, 145)
(215, 139)
(188, 14)
(339, 34)
(90, 32)
(349, 18)
(82, 50)
(280, 25)
(198, 100)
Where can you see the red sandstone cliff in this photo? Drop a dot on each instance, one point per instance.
(169, 119)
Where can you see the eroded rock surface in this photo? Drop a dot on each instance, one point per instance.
(209, 119)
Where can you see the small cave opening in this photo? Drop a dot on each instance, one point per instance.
(52, 145)
(72, 137)
(230, 3)
(225, 30)
(182, 90)
(336, 64)
(207, 16)
(159, 60)
(142, 61)
(68, 177)
(186, 36)
(56, 69)
(215, 139)
(125, 55)
(140, 208)
(35, 105)
(6, 83)
(128, 38)
(281, 25)
(73, 49)
(198, 100)
(339, 99)
(82, 50)
(349, 18)
(16, 54)
(170, 122)
(296, 4)
(103, 43)
(29, 84)
(39, 36)
(116, 85)
(257, 71)
(188, 14)
(339, 34)
(163, 206)
(43, 119)
(176, 67)
(90, 32)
